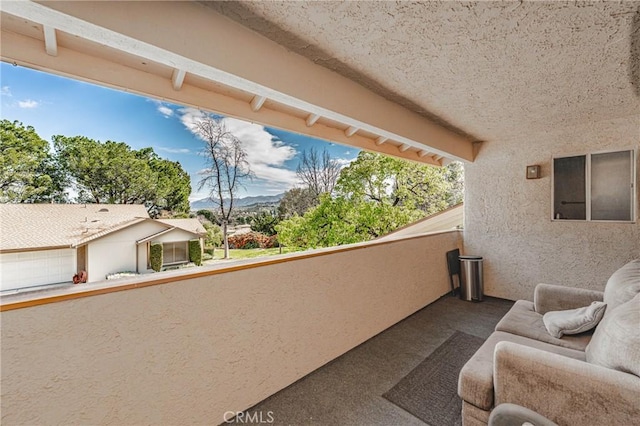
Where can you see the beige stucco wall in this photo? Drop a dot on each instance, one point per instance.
(508, 218)
(116, 252)
(187, 352)
(143, 254)
(172, 236)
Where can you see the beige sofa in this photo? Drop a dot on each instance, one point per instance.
(588, 379)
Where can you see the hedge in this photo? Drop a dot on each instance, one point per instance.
(195, 252)
(252, 240)
(155, 256)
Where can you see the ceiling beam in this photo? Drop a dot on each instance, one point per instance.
(404, 147)
(257, 102)
(311, 119)
(177, 78)
(27, 51)
(50, 40)
(380, 140)
(351, 131)
(283, 77)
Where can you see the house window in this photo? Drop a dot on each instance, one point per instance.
(595, 187)
(175, 253)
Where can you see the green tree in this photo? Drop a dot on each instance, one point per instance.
(294, 232)
(296, 201)
(374, 196)
(113, 173)
(208, 214)
(396, 182)
(214, 236)
(265, 222)
(27, 170)
(172, 184)
(342, 220)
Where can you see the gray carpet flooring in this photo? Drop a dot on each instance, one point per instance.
(429, 391)
(349, 389)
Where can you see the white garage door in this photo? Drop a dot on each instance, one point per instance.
(28, 269)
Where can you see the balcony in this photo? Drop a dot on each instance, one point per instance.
(186, 348)
(532, 80)
(348, 390)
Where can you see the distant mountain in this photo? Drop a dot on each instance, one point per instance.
(206, 203)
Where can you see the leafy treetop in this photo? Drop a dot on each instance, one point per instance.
(109, 172)
(114, 173)
(374, 195)
(27, 169)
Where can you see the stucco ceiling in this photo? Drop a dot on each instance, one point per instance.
(493, 70)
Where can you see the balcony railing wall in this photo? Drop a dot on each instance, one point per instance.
(188, 351)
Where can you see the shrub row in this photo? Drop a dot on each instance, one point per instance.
(155, 257)
(251, 240)
(195, 252)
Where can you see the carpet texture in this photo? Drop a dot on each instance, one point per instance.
(430, 391)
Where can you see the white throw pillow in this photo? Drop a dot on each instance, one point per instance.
(616, 342)
(574, 321)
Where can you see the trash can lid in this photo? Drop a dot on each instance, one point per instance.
(470, 257)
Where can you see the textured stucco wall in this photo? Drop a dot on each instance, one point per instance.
(186, 352)
(508, 218)
(175, 236)
(117, 252)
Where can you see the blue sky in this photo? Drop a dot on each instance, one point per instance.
(56, 105)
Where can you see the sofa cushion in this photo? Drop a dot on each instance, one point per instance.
(553, 297)
(475, 383)
(616, 342)
(474, 416)
(524, 321)
(573, 321)
(622, 286)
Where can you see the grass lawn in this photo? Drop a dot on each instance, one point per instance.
(251, 253)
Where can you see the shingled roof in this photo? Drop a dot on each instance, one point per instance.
(190, 225)
(43, 226)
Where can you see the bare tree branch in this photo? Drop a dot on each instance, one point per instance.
(319, 172)
(227, 167)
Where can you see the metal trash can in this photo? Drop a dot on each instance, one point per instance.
(471, 281)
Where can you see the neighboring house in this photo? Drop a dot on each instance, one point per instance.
(239, 229)
(49, 243)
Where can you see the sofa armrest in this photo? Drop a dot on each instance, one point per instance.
(565, 390)
(550, 297)
(512, 414)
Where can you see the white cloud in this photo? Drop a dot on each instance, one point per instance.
(173, 150)
(344, 162)
(28, 103)
(265, 154)
(190, 117)
(165, 110)
(6, 91)
(162, 108)
(270, 173)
